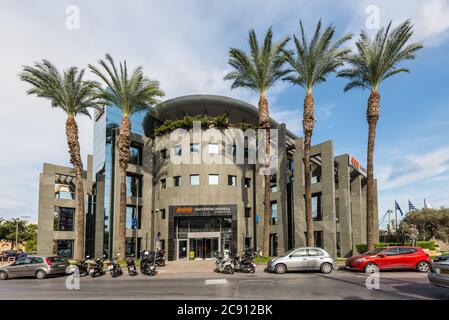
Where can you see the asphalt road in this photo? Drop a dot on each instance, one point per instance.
(261, 285)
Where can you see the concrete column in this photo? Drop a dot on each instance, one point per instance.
(299, 216)
(363, 210)
(356, 210)
(281, 182)
(376, 214)
(344, 195)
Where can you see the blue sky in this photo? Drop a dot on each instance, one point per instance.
(184, 45)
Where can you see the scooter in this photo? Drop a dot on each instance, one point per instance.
(244, 265)
(82, 266)
(147, 263)
(114, 267)
(131, 265)
(160, 258)
(224, 265)
(97, 269)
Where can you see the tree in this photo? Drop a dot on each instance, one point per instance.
(131, 93)
(431, 223)
(72, 94)
(312, 62)
(376, 60)
(259, 71)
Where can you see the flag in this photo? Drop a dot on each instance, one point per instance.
(397, 207)
(411, 206)
(427, 204)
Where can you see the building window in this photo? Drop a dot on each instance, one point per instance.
(194, 148)
(135, 154)
(315, 174)
(133, 185)
(65, 187)
(178, 150)
(247, 242)
(177, 181)
(316, 207)
(194, 179)
(318, 236)
(232, 181)
(133, 217)
(130, 246)
(274, 212)
(247, 182)
(163, 183)
(273, 244)
(63, 248)
(213, 148)
(213, 179)
(337, 210)
(273, 183)
(162, 244)
(63, 219)
(247, 212)
(164, 153)
(162, 211)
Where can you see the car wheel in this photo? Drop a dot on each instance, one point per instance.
(40, 274)
(3, 275)
(280, 268)
(423, 266)
(326, 268)
(370, 267)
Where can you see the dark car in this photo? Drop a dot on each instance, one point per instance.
(441, 258)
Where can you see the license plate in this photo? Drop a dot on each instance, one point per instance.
(91, 271)
(110, 267)
(445, 271)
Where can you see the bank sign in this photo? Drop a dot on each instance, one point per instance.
(203, 210)
(353, 162)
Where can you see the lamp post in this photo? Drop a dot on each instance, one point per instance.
(26, 218)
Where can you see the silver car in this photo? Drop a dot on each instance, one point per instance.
(302, 259)
(34, 266)
(439, 274)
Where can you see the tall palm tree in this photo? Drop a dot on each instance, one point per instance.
(259, 71)
(376, 59)
(131, 93)
(312, 62)
(73, 95)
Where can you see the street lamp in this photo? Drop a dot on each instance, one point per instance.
(17, 228)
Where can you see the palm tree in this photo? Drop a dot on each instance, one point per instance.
(258, 72)
(311, 63)
(73, 95)
(131, 93)
(375, 60)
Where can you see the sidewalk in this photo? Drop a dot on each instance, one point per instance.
(201, 266)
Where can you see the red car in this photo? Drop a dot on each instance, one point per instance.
(390, 258)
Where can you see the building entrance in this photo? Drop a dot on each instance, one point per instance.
(204, 248)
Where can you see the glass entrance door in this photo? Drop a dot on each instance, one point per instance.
(182, 249)
(203, 248)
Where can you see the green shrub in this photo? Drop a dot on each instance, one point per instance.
(426, 245)
(361, 247)
(262, 259)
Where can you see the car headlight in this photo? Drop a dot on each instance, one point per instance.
(359, 260)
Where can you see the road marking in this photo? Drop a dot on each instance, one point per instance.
(216, 281)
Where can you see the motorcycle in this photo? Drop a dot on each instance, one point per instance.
(224, 265)
(160, 258)
(131, 265)
(114, 267)
(244, 264)
(97, 268)
(82, 266)
(147, 263)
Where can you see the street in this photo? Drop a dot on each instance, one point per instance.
(190, 284)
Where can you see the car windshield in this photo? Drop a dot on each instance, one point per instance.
(288, 252)
(374, 251)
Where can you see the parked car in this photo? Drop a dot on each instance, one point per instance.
(37, 266)
(389, 258)
(302, 259)
(8, 254)
(439, 274)
(441, 258)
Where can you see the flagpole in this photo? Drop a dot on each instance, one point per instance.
(396, 216)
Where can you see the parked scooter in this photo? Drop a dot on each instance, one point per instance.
(160, 258)
(224, 265)
(114, 267)
(82, 266)
(244, 264)
(97, 269)
(147, 263)
(131, 265)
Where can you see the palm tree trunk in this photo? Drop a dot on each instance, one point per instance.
(71, 129)
(372, 115)
(264, 122)
(123, 146)
(308, 122)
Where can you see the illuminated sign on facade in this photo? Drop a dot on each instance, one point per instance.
(353, 162)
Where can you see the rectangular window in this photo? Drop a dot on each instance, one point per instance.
(133, 185)
(247, 212)
(273, 184)
(232, 181)
(337, 210)
(177, 181)
(162, 241)
(65, 187)
(213, 179)
(63, 219)
(130, 246)
(63, 248)
(194, 179)
(247, 182)
(316, 207)
(162, 211)
(194, 148)
(178, 150)
(133, 217)
(247, 242)
(274, 212)
(164, 153)
(213, 148)
(318, 236)
(163, 183)
(135, 154)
